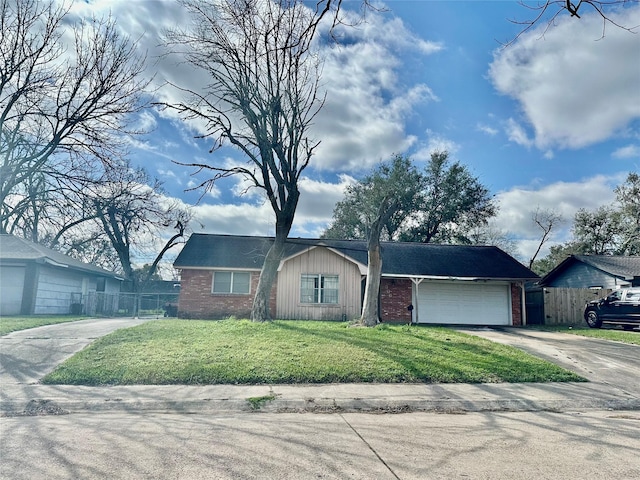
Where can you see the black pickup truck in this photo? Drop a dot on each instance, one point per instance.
(621, 307)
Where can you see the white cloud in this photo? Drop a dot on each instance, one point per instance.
(364, 117)
(318, 199)
(518, 205)
(146, 121)
(367, 106)
(435, 143)
(240, 219)
(517, 133)
(574, 89)
(487, 129)
(314, 212)
(629, 151)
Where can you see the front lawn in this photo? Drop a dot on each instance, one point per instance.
(241, 352)
(604, 333)
(13, 324)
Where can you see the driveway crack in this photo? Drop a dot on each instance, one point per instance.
(370, 447)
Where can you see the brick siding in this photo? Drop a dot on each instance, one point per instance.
(516, 305)
(395, 297)
(197, 301)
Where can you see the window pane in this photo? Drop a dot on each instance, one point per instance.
(309, 289)
(222, 282)
(241, 282)
(329, 289)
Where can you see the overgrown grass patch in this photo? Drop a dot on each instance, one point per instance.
(13, 324)
(242, 352)
(604, 333)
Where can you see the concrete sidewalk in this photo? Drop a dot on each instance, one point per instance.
(374, 398)
(28, 355)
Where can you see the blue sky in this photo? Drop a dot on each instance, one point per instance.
(551, 121)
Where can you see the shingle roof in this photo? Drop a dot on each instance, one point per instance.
(626, 267)
(14, 248)
(622, 267)
(399, 258)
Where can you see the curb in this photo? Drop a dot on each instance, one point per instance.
(43, 407)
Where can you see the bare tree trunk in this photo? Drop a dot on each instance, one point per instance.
(260, 311)
(370, 317)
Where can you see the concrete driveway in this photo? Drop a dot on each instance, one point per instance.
(28, 355)
(600, 361)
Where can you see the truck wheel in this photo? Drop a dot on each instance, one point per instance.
(592, 318)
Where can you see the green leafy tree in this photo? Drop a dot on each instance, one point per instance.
(379, 203)
(452, 203)
(628, 197)
(449, 208)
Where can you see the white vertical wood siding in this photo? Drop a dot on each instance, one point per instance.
(319, 260)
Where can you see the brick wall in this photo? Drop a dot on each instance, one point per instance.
(395, 297)
(197, 301)
(516, 304)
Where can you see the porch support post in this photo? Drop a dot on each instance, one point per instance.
(416, 282)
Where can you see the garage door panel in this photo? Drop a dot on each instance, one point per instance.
(463, 303)
(11, 285)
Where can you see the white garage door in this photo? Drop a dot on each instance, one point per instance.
(472, 303)
(11, 283)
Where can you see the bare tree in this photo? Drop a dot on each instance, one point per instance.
(546, 12)
(132, 213)
(546, 220)
(64, 99)
(261, 99)
(490, 234)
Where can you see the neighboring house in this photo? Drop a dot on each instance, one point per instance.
(324, 280)
(594, 271)
(35, 280)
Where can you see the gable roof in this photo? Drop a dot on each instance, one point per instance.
(16, 249)
(399, 258)
(625, 268)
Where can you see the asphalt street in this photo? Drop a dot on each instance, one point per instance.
(414, 446)
(489, 431)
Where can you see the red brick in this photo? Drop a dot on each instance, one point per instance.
(395, 297)
(197, 301)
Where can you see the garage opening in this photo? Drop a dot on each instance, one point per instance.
(464, 303)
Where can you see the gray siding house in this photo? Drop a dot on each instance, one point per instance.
(35, 280)
(594, 271)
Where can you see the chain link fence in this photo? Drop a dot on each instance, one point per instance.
(103, 304)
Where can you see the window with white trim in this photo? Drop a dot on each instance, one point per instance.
(231, 282)
(319, 288)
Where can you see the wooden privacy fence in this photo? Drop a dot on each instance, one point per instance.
(565, 306)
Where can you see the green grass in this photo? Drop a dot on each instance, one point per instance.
(13, 324)
(241, 352)
(604, 333)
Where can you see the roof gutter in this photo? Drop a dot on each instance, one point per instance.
(445, 277)
(54, 263)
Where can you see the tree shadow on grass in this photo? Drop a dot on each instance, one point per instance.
(444, 357)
